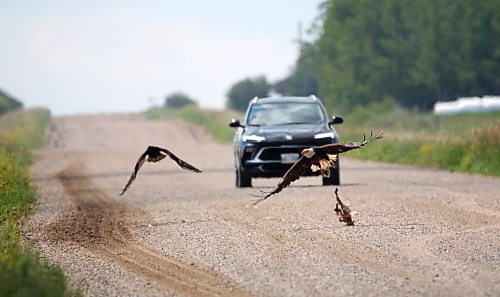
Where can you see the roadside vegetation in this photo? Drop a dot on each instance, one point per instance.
(215, 122)
(21, 273)
(468, 143)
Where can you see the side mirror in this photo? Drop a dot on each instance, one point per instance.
(336, 120)
(235, 123)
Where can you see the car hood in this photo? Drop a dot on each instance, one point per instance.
(287, 132)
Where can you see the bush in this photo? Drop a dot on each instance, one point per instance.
(8, 103)
(178, 100)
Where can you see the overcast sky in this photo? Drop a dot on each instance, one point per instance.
(114, 56)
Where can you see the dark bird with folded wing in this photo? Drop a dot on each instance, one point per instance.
(321, 158)
(344, 212)
(155, 154)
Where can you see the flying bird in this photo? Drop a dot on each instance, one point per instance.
(344, 212)
(155, 154)
(320, 158)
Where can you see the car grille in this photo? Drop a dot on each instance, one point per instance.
(274, 153)
(275, 167)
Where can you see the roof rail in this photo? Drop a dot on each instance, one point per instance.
(255, 99)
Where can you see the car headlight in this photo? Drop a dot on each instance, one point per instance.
(324, 135)
(255, 138)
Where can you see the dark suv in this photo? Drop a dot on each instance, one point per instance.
(275, 131)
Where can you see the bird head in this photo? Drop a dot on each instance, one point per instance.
(308, 152)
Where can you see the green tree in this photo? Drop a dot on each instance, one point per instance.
(303, 80)
(8, 103)
(243, 91)
(178, 100)
(416, 52)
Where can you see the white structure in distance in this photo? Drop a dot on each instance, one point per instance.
(467, 105)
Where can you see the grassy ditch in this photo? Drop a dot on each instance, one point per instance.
(467, 143)
(21, 273)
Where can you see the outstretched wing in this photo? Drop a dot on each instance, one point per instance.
(337, 148)
(183, 164)
(154, 154)
(138, 165)
(293, 174)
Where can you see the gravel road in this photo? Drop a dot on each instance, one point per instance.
(417, 232)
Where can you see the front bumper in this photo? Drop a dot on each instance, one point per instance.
(264, 160)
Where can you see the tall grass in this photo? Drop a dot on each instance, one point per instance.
(22, 131)
(464, 143)
(21, 274)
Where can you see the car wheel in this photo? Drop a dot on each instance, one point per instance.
(242, 179)
(334, 179)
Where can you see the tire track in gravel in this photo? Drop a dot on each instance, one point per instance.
(99, 224)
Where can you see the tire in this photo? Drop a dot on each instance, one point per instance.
(243, 180)
(334, 179)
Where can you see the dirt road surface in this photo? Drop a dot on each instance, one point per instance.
(418, 232)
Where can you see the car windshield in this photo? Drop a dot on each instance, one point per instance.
(282, 113)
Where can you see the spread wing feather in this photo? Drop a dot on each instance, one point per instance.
(183, 164)
(293, 174)
(337, 148)
(154, 154)
(138, 165)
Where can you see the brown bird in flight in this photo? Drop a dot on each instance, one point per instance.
(155, 154)
(320, 158)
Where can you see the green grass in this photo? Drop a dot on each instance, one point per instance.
(467, 143)
(23, 130)
(214, 121)
(21, 273)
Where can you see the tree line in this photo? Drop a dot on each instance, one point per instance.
(411, 52)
